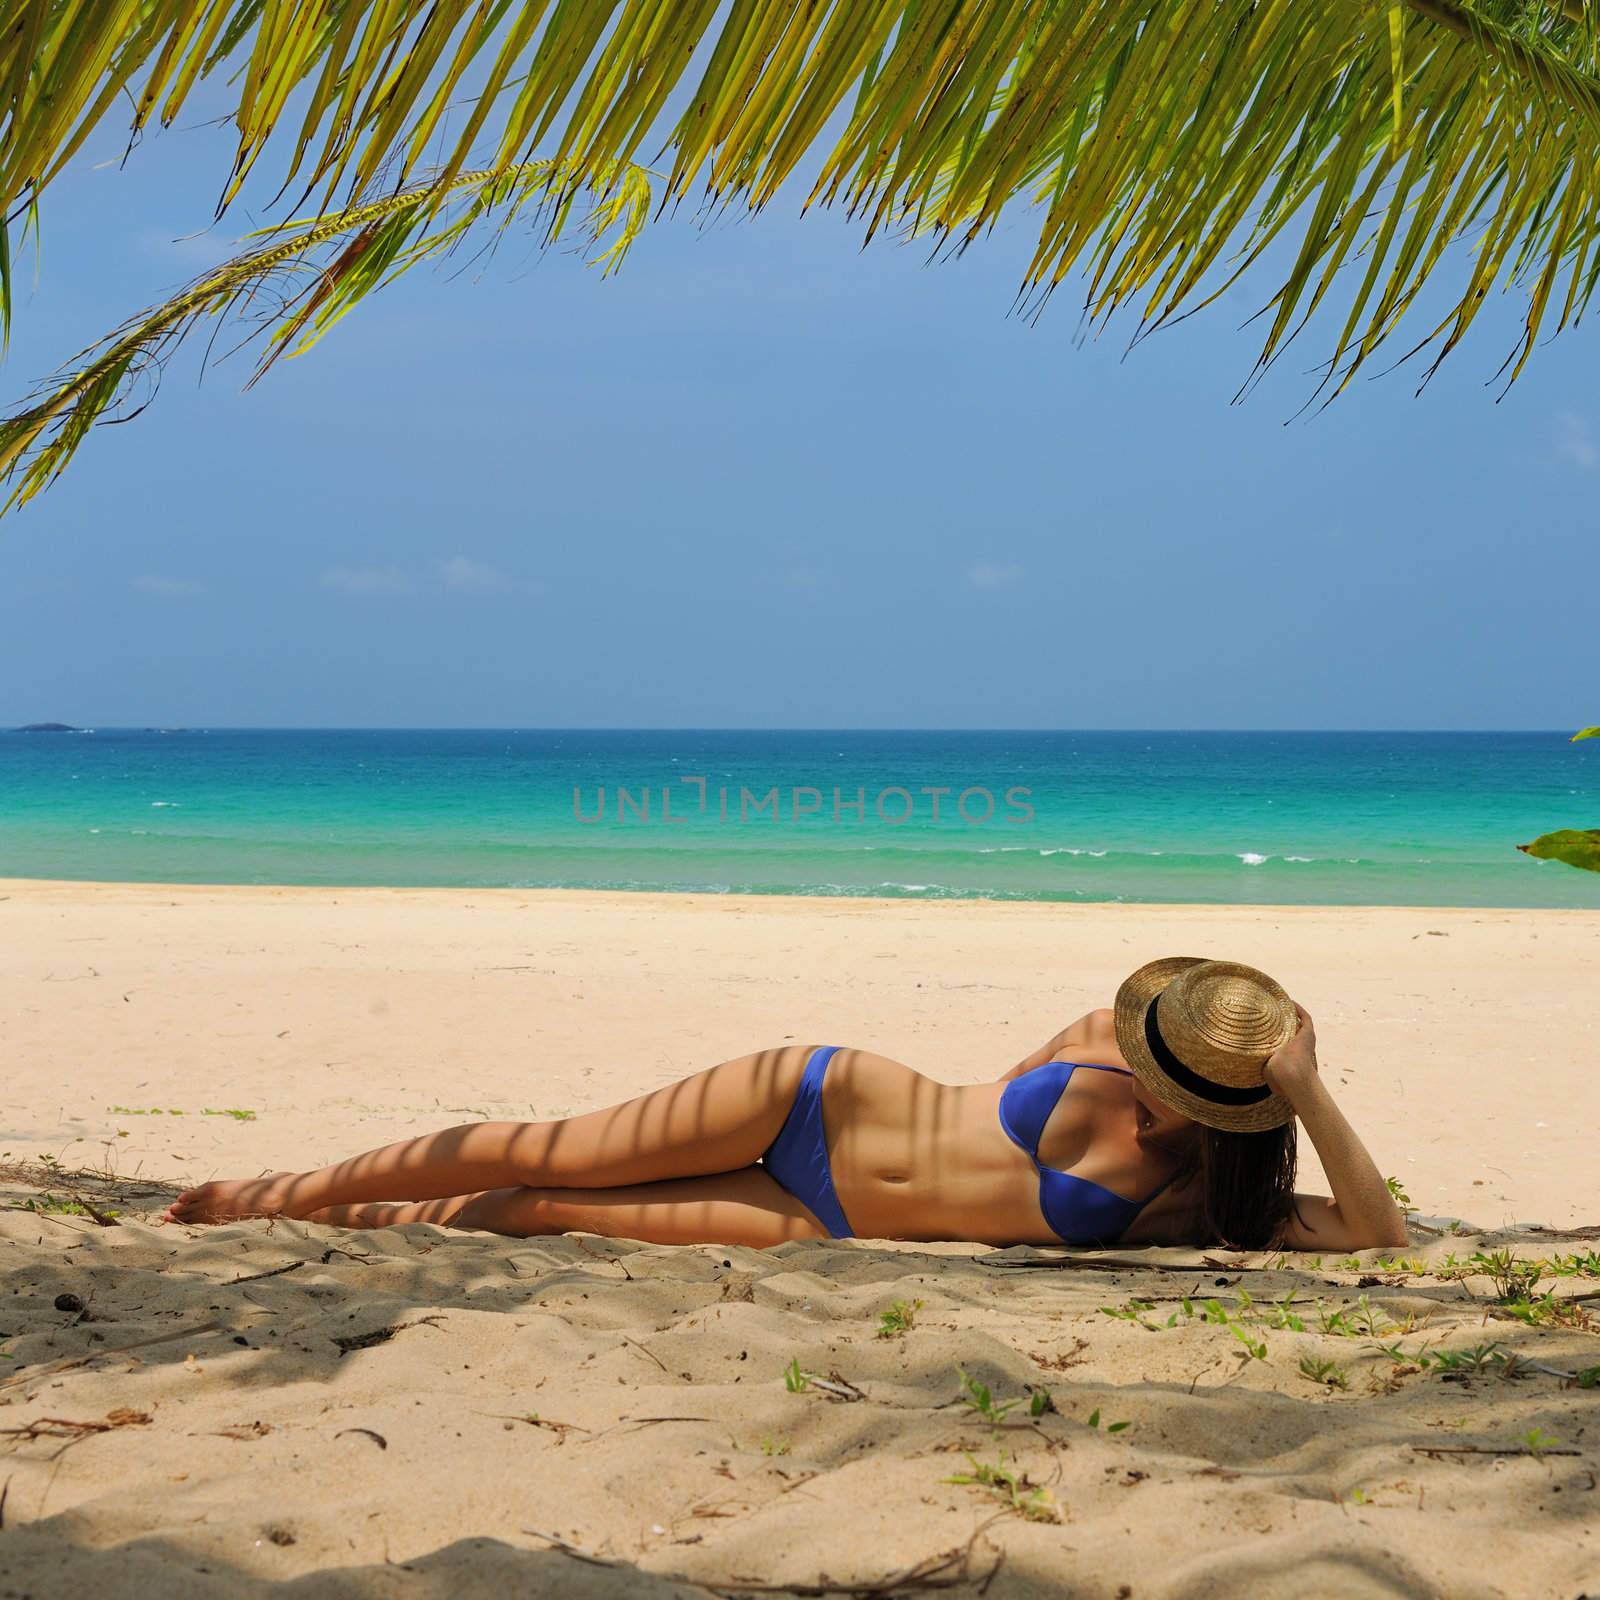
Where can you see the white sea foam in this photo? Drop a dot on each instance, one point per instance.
(177, 803)
(1299, 858)
(1251, 859)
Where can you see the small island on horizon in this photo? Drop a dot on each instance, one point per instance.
(47, 727)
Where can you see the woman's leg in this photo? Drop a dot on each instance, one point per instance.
(745, 1207)
(720, 1120)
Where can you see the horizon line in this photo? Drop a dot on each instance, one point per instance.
(684, 728)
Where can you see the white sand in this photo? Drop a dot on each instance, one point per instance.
(1461, 1042)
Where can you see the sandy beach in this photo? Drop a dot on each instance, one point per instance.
(415, 1412)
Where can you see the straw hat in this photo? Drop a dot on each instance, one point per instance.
(1198, 1033)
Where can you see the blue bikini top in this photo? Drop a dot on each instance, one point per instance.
(1078, 1211)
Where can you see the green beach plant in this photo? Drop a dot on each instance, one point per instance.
(1514, 1277)
(1029, 1501)
(977, 1398)
(1366, 149)
(898, 1320)
(1329, 1373)
(1475, 1359)
(1110, 1427)
(1536, 1441)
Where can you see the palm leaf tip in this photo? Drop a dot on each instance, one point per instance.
(1577, 847)
(290, 289)
(1586, 733)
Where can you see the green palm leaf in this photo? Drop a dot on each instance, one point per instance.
(1164, 146)
(1577, 847)
(291, 289)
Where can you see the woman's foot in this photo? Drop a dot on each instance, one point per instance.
(229, 1200)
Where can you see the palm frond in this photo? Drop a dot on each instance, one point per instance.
(1165, 145)
(289, 290)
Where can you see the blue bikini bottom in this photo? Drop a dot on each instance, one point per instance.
(798, 1158)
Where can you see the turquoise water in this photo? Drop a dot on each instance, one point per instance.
(1259, 818)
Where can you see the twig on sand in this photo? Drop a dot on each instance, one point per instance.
(74, 1432)
(32, 1374)
(1090, 1263)
(1490, 1450)
(948, 1570)
(610, 1261)
(1118, 1264)
(68, 1428)
(576, 1551)
(621, 1422)
(534, 1420)
(839, 1387)
(256, 1277)
(644, 1351)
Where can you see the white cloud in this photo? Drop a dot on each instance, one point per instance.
(993, 574)
(1576, 442)
(149, 583)
(368, 580)
(471, 577)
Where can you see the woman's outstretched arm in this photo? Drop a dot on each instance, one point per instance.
(1362, 1214)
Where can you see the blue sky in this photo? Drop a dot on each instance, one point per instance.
(765, 478)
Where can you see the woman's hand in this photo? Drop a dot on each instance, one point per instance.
(1293, 1066)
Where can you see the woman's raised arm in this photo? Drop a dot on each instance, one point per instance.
(1362, 1214)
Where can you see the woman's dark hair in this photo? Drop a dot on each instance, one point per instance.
(1243, 1182)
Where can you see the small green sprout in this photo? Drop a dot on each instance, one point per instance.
(1513, 1277)
(1255, 1349)
(1111, 1427)
(1284, 1316)
(1032, 1503)
(794, 1380)
(56, 1205)
(1536, 1441)
(1472, 1360)
(898, 1320)
(1133, 1311)
(979, 1399)
(1397, 1193)
(1324, 1372)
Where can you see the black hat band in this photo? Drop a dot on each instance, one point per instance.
(1221, 1094)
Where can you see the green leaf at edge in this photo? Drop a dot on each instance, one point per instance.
(1577, 847)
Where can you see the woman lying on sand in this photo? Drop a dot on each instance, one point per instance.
(1168, 1119)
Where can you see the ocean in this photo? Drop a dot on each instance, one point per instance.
(1218, 818)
